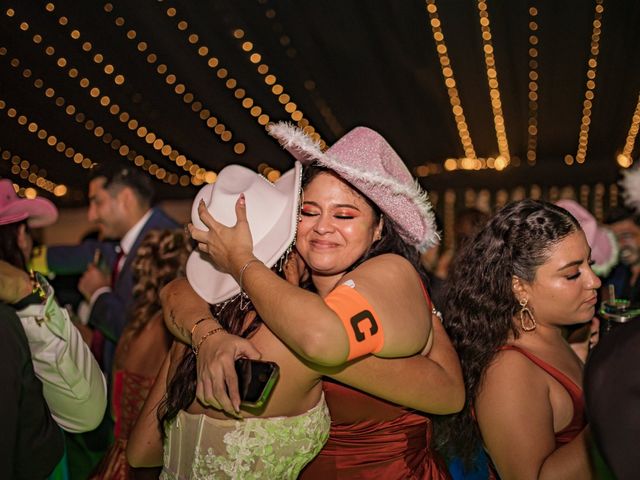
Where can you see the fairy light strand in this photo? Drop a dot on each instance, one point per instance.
(99, 132)
(494, 92)
(449, 80)
(625, 159)
(532, 121)
(197, 173)
(179, 88)
(589, 94)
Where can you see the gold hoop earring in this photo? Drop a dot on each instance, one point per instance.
(525, 311)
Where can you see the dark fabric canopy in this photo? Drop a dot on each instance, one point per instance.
(160, 82)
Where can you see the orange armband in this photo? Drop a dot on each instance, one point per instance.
(363, 327)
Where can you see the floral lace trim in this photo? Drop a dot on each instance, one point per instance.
(259, 448)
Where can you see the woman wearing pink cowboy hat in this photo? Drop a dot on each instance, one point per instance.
(72, 383)
(363, 223)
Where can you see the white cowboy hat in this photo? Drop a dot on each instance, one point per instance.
(272, 213)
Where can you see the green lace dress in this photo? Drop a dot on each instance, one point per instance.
(201, 447)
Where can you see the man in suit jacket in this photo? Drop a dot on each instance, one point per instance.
(120, 204)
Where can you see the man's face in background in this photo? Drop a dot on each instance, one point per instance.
(628, 235)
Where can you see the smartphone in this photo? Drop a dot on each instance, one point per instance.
(256, 380)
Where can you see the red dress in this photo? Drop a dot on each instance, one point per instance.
(578, 421)
(130, 390)
(371, 438)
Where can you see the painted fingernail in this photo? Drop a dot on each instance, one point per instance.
(242, 199)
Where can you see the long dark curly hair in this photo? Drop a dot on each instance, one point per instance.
(160, 258)
(480, 304)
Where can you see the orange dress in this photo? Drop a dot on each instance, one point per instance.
(371, 438)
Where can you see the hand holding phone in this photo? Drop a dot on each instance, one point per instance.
(256, 380)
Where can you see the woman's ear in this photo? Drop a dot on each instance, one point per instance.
(518, 288)
(377, 233)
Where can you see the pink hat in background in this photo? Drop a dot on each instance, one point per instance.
(603, 243)
(38, 212)
(365, 159)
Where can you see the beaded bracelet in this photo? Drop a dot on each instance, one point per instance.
(193, 329)
(196, 349)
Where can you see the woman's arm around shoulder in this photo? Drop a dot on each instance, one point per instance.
(515, 417)
(431, 382)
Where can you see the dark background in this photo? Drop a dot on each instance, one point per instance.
(343, 62)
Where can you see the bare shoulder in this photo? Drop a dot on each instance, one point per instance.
(385, 267)
(510, 376)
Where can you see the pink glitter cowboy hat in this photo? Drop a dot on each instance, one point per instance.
(38, 212)
(272, 212)
(603, 243)
(365, 159)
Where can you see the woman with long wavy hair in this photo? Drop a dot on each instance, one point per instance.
(143, 345)
(513, 288)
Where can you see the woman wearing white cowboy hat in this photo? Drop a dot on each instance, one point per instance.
(205, 443)
(363, 222)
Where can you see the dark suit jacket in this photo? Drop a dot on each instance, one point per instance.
(31, 443)
(612, 391)
(110, 311)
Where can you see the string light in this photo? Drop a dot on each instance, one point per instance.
(504, 158)
(310, 86)
(223, 73)
(98, 58)
(197, 178)
(51, 140)
(532, 122)
(122, 148)
(35, 175)
(625, 159)
(589, 93)
(277, 89)
(449, 80)
(196, 106)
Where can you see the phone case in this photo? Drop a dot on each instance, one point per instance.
(256, 380)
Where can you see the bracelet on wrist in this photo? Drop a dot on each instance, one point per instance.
(242, 270)
(196, 349)
(193, 329)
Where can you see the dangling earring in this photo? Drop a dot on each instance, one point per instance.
(525, 311)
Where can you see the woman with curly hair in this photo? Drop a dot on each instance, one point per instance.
(143, 345)
(524, 277)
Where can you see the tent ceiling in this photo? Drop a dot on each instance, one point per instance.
(163, 81)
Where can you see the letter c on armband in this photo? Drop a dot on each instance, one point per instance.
(363, 328)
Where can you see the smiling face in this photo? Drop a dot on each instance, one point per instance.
(337, 226)
(563, 291)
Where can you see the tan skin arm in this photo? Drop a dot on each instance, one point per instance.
(301, 319)
(144, 448)
(516, 420)
(182, 307)
(435, 381)
(431, 383)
